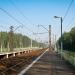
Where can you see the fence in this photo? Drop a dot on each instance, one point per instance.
(69, 57)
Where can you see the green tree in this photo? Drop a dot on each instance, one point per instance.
(68, 40)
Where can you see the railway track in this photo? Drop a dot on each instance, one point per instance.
(13, 65)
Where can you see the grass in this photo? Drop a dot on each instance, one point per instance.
(69, 56)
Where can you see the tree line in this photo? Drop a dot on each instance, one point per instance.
(68, 40)
(19, 41)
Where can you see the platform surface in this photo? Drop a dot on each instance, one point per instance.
(51, 64)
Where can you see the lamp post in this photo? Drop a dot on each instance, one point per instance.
(61, 33)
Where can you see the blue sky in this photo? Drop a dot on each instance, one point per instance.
(37, 12)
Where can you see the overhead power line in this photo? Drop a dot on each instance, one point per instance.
(26, 18)
(69, 23)
(40, 33)
(14, 19)
(10, 15)
(68, 10)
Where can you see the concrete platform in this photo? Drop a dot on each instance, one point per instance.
(51, 64)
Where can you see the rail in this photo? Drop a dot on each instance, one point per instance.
(26, 60)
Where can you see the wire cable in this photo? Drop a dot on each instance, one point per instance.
(13, 3)
(10, 16)
(40, 33)
(68, 10)
(70, 23)
(14, 19)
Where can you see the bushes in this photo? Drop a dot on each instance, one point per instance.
(68, 40)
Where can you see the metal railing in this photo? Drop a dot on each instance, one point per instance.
(68, 56)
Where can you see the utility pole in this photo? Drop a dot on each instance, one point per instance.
(61, 34)
(49, 31)
(8, 47)
(61, 38)
(49, 37)
(55, 44)
(11, 38)
(1, 42)
(31, 42)
(20, 43)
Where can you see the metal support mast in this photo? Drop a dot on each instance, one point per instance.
(1, 41)
(11, 38)
(49, 37)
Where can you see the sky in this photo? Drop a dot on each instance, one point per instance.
(31, 13)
